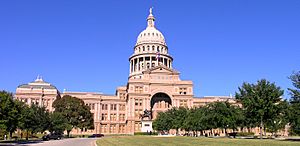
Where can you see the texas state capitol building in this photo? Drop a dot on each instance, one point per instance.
(153, 84)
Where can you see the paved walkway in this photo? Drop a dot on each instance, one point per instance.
(63, 142)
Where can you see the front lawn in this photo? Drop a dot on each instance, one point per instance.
(188, 141)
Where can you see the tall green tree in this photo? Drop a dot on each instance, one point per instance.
(223, 115)
(57, 123)
(295, 103)
(260, 102)
(178, 115)
(163, 122)
(76, 113)
(9, 112)
(34, 119)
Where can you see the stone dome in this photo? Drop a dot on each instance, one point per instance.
(151, 34)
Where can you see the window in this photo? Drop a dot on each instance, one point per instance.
(104, 106)
(122, 107)
(148, 65)
(121, 128)
(182, 91)
(138, 102)
(112, 128)
(122, 95)
(103, 127)
(138, 89)
(183, 103)
(104, 117)
(137, 126)
(137, 112)
(113, 117)
(113, 107)
(122, 117)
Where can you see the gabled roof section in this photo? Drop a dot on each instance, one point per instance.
(161, 69)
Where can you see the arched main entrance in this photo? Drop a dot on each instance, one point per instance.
(160, 102)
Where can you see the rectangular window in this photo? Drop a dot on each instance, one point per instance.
(183, 91)
(113, 107)
(138, 102)
(183, 103)
(113, 117)
(122, 117)
(122, 107)
(104, 117)
(104, 106)
(138, 89)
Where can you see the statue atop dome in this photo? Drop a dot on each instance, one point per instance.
(150, 10)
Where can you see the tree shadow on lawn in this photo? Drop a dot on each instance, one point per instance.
(292, 139)
(19, 142)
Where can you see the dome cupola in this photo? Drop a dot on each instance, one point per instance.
(150, 50)
(151, 34)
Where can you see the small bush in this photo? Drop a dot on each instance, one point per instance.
(245, 134)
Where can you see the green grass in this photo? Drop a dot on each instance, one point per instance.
(188, 141)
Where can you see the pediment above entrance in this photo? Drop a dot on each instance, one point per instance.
(161, 70)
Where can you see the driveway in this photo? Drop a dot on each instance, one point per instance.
(63, 142)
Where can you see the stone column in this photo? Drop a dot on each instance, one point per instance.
(130, 69)
(144, 62)
(139, 64)
(150, 61)
(118, 108)
(108, 113)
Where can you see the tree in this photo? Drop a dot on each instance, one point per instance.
(34, 119)
(162, 122)
(178, 115)
(223, 115)
(295, 103)
(76, 113)
(195, 120)
(260, 102)
(280, 121)
(58, 123)
(28, 119)
(9, 112)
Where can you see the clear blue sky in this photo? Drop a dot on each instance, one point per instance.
(85, 45)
